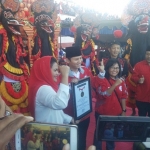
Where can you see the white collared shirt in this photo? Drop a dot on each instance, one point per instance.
(77, 75)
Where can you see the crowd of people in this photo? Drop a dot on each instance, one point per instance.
(50, 95)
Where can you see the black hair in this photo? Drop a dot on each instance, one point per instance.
(114, 43)
(78, 40)
(53, 60)
(109, 64)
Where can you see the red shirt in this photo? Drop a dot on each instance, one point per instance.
(142, 92)
(109, 104)
(84, 72)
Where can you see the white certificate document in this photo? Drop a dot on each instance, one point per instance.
(82, 97)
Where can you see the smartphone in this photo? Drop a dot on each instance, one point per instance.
(42, 136)
(123, 128)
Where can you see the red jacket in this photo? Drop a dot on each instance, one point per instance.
(142, 90)
(84, 72)
(109, 104)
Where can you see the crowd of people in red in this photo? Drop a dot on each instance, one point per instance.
(108, 88)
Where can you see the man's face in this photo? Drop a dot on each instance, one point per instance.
(114, 51)
(75, 62)
(147, 56)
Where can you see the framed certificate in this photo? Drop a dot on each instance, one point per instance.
(82, 98)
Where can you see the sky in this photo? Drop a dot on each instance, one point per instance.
(111, 7)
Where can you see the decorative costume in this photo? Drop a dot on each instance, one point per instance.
(45, 16)
(26, 49)
(13, 88)
(136, 18)
(86, 25)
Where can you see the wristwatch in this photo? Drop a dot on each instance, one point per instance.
(124, 110)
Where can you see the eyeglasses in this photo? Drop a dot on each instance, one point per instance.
(114, 68)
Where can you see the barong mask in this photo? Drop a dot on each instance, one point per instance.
(137, 12)
(87, 22)
(45, 15)
(142, 23)
(9, 8)
(136, 19)
(86, 25)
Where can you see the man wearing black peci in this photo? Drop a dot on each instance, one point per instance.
(74, 60)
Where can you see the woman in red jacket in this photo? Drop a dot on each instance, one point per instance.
(111, 92)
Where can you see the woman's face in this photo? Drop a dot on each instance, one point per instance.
(54, 70)
(114, 70)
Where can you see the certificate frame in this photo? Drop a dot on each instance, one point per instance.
(82, 102)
